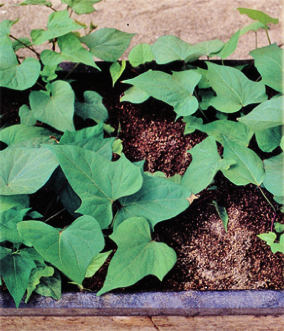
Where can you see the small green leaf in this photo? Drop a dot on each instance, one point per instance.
(26, 116)
(269, 238)
(34, 2)
(274, 175)
(55, 108)
(16, 270)
(97, 181)
(252, 27)
(21, 43)
(269, 63)
(248, 167)
(17, 202)
(5, 27)
(108, 44)
(71, 50)
(258, 15)
(267, 115)
(58, 25)
(176, 89)
(222, 214)
(70, 250)
(116, 70)
(229, 47)
(140, 54)
(50, 286)
(278, 227)
(25, 170)
(234, 90)
(96, 263)
(269, 139)
(137, 255)
(14, 75)
(200, 173)
(211, 47)
(81, 6)
(134, 95)
(92, 107)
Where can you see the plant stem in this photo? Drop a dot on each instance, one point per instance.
(60, 211)
(266, 30)
(30, 48)
(272, 222)
(255, 39)
(265, 197)
(69, 73)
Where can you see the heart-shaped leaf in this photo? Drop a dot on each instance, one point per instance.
(71, 50)
(137, 255)
(108, 44)
(14, 75)
(55, 107)
(70, 250)
(25, 170)
(234, 90)
(258, 15)
(269, 63)
(81, 6)
(175, 89)
(140, 54)
(200, 174)
(59, 24)
(248, 167)
(97, 181)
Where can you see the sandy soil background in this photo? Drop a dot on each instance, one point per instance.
(191, 20)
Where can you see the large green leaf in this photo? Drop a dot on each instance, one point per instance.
(108, 44)
(274, 175)
(81, 6)
(248, 167)
(269, 62)
(234, 90)
(70, 250)
(266, 115)
(25, 170)
(14, 75)
(59, 24)
(92, 107)
(16, 270)
(159, 199)
(97, 181)
(140, 54)
(137, 255)
(8, 225)
(54, 107)
(71, 50)
(200, 174)
(258, 15)
(176, 89)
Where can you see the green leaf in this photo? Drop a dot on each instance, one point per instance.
(21, 43)
(278, 227)
(108, 44)
(97, 181)
(234, 90)
(58, 25)
(35, 2)
(140, 54)
(5, 27)
(269, 139)
(159, 199)
(134, 95)
(81, 6)
(229, 47)
(175, 89)
(50, 286)
(267, 115)
(25, 170)
(269, 238)
(17, 202)
(14, 75)
(8, 225)
(26, 116)
(55, 107)
(48, 73)
(252, 27)
(71, 50)
(137, 255)
(209, 48)
(70, 250)
(269, 62)
(96, 263)
(36, 274)
(248, 167)
(274, 175)
(222, 214)
(258, 15)
(200, 174)
(16, 270)
(116, 70)
(92, 107)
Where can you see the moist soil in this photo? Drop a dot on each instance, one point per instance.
(208, 258)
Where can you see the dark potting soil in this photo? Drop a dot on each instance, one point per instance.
(208, 258)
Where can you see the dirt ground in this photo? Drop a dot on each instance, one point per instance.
(191, 20)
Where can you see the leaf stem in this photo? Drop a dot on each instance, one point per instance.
(70, 72)
(265, 197)
(272, 222)
(60, 211)
(30, 48)
(266, 30)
